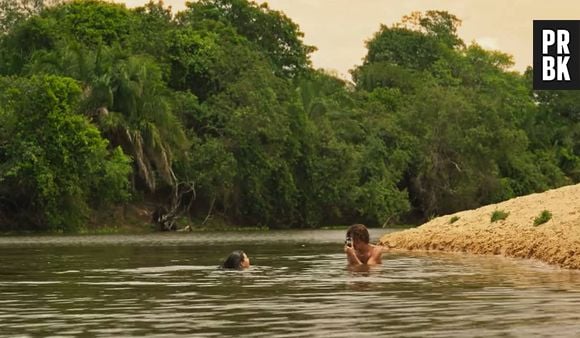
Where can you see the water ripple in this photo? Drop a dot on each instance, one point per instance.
(168, 287)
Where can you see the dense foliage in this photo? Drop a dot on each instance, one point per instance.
(101, 104)
(55, 164)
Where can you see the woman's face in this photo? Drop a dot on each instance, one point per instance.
(246, 262)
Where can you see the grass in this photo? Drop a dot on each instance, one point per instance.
(542, 218)
(102, 230)
(499, 215)
(334, 227)
(401, 226)
(453, 219)
(195, 228)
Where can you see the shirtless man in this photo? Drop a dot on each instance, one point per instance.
(357, 248)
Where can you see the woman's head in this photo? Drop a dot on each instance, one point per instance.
(237, 260)
(358, 233)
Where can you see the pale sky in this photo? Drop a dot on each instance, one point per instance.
(339, 28)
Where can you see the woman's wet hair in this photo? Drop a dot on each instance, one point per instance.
(234, 260)
(358, 231)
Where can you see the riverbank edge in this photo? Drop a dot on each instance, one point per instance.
(556, 242)
(129, 219)
(136, 218)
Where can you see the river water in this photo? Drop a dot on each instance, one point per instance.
(167, 285)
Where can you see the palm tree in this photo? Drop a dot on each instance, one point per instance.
(127, 98)
(141, 120)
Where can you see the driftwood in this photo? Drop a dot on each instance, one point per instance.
(166, 219)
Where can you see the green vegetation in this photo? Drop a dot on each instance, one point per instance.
(453, 219)
(217, 110)
(542, 218)
(499, 215)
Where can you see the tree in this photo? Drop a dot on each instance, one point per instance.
(12, 12)
(417, 42)
(272, 31)
(56, 165)
(141, 120)
(466, 114)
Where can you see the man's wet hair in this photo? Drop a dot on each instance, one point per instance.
(358, 231)
(234, 260)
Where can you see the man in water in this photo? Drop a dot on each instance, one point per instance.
(357, 248)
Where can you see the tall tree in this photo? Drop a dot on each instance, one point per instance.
(55, 163)
(272, 31)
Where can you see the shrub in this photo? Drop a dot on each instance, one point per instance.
(499, 215)
(453, 219)
(544, 217)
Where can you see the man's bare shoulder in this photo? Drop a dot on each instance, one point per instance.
(376, 255)
(377, 249)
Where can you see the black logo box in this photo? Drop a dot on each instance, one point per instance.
(573, 28)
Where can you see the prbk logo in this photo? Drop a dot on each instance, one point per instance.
(556, 54)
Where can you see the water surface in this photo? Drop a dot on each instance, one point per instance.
(168, 285)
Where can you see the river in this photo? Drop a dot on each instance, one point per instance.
(168, 285)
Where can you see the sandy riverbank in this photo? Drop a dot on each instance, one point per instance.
(555, 242)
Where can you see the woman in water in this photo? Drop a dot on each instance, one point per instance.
(237, 260)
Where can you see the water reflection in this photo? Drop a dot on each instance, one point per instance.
(299, 286)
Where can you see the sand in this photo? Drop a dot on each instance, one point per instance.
(554, 242)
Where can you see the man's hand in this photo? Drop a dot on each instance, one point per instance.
(351, 255)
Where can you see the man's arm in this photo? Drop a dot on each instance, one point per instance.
(351, 256)
(377, 256)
